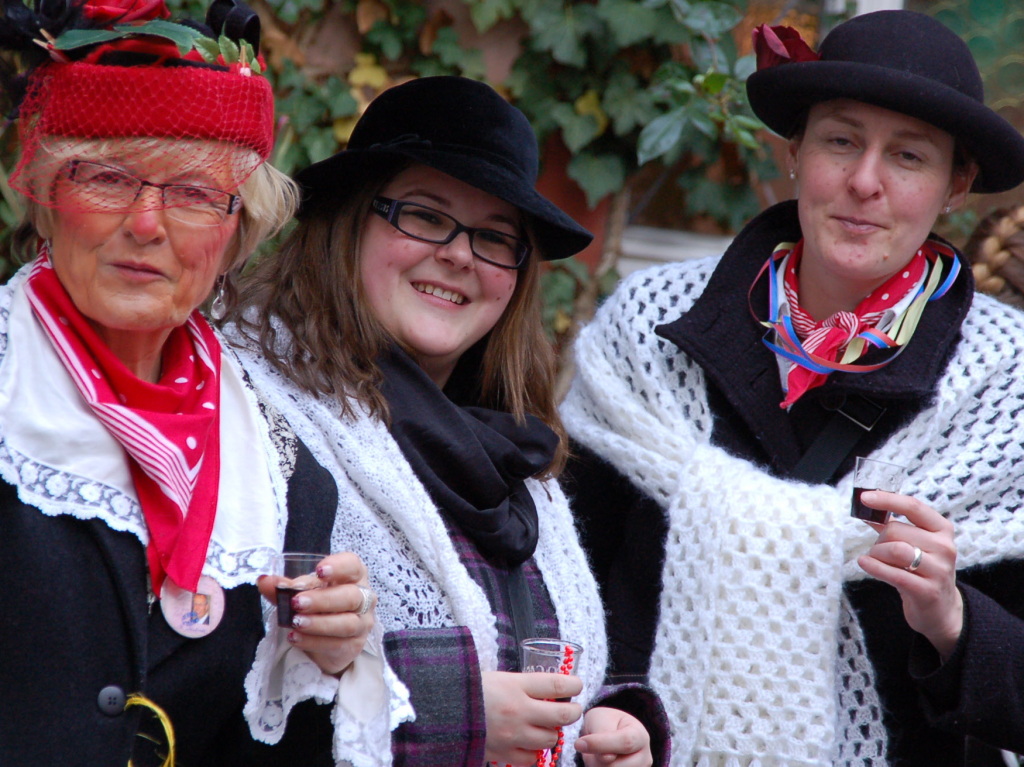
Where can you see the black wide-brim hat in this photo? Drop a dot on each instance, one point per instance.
(458, 126)
(906, 62)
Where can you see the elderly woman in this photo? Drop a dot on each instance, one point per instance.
(406, 303)
(146, 486)
(720, 404)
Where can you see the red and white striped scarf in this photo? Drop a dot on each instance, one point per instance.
(170, 429)
(829, 338)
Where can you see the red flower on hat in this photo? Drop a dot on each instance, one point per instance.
(780, 45)
(162, 50)
(125, 11)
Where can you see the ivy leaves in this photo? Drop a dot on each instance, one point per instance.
(627, 82)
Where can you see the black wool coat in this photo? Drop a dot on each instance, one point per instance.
(77, 635)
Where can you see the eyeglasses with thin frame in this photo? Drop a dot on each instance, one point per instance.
(107, 188)
(428, 225)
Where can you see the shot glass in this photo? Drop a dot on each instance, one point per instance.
(555, 656)
(869, 474)
(299, 568)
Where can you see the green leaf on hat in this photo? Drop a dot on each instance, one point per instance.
(228, 49)
(182, 36)
(208, 49)
(250, 57)
(79, 38)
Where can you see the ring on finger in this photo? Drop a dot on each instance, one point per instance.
(367, 597)
(916, 561)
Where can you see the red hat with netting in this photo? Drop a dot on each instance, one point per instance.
(118, 81)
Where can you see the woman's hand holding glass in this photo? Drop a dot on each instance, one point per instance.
(524, 711)
(918, 558)
(331, 622)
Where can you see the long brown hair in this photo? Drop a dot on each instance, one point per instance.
(306, 308)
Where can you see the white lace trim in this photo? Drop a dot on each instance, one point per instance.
(757, 658)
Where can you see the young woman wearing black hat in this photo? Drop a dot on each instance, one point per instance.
(406, 304)
(719, 406)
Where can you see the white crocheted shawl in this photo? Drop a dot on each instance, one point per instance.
(758, 656)
(386, 516)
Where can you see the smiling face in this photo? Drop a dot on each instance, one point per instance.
(137, 274)
(872, 182)
(436, 300)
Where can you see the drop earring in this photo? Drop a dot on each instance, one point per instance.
(792, 175)
(219, 307)
(947, 208)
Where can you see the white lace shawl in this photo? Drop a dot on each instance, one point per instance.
(758, 657)
(84, 474)
(386, 516)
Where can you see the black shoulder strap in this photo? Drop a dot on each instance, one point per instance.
(855, 418)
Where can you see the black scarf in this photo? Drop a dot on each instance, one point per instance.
(473, 461)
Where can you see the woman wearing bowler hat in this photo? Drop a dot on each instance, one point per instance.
(400, 328)
(720, 404)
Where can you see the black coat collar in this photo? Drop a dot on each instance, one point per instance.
(720, 334)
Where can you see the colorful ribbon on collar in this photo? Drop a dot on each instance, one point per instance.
(788, 345)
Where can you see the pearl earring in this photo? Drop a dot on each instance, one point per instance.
(947, 208)
(792, 175)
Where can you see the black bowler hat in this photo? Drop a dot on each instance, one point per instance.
(458, 126)
(907, 62)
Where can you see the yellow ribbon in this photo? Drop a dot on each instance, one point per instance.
(136, 699)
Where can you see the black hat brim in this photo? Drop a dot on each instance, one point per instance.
(780, 96)
(332, 179)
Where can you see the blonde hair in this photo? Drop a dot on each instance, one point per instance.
(269, 197)
(311, 288)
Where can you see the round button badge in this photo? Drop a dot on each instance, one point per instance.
(192, 614)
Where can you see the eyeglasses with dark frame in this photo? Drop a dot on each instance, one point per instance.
(428, 225)
(107, 188)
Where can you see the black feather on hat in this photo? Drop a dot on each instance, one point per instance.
(458, 126)
(906, 62)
